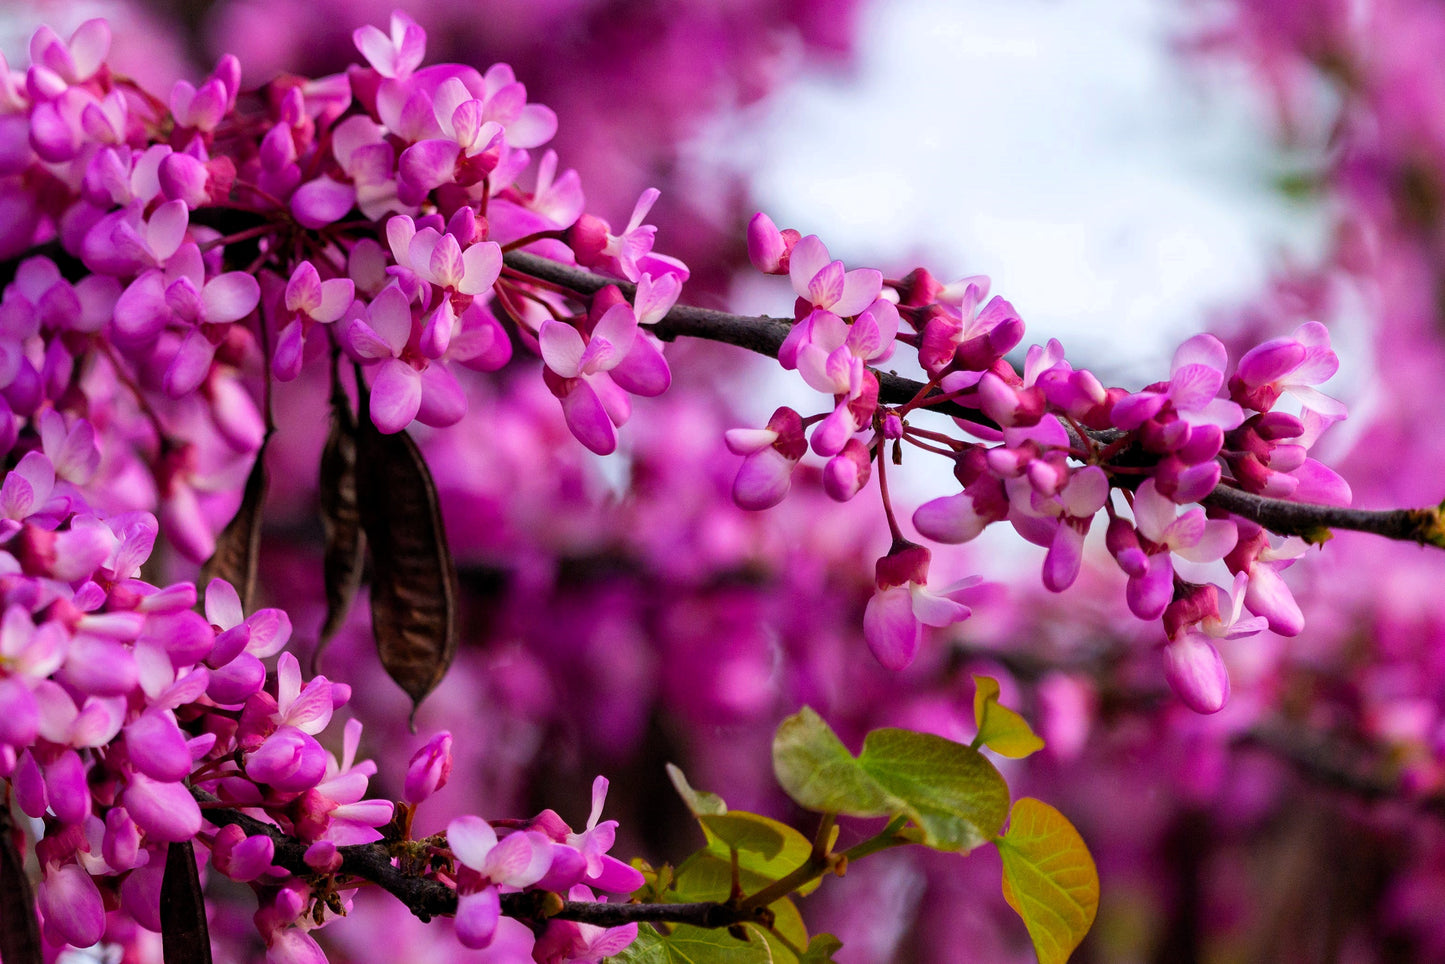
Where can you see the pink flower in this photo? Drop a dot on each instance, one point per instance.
(771, 453)
(825, 285)
(394, 56)
(902, 605)
(485, 863)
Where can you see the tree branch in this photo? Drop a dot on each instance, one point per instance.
(431, 898)
(765, 335)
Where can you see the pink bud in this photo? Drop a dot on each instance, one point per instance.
(429, 769)
(241, 857)
(71, 904)
(121, 844)
(288, 760)
(848, 471)
(767, 249)
(1197, 673)
(323, 857)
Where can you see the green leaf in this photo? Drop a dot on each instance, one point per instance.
(821, 950)
(1049, 879)
(747, 832)
(699, 802)
(766, 868)
(692, 945)
(954, 795)
(999, 728)
(707, 876)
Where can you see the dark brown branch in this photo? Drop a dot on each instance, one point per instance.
(1424, 526)
(431, 898)
(765, 335)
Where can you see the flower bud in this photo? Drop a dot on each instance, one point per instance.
(429, 769)
(1197, 673)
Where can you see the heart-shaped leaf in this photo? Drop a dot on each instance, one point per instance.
(950, 791)
(1049, 879)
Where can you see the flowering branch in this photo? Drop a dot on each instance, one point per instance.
(430, 898)
(765, 335)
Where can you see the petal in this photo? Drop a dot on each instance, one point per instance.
(192, 363)
(1215, 541)
(71, 904)
(933, 609)
(860, 287)
(166, 229)
(390, 317)
(1271, 361)
(477, 916)
(165, 811)
(809, 256)
(443, 401)
(1205, 350)
(951, 519)
(1320, 484)
(429, 164)
(1197, 673)
(395, 396)
(763, 480)
(643, 370)
(1065, 556)
(562, 348)
(483, 265)
(1153, 512)
(1192, 386)
(1268, 596)
(890, 627)
(536, 125)
(229, 297)
(1086, 493)
(471, 839)
(321, 202)
(588, 420)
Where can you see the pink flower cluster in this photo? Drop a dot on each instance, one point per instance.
(1053, 444)
(118, 700)
(128, 186)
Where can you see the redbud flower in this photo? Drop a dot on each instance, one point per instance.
(771, 454)
(825, 285)
(519, 860)
(902, 605)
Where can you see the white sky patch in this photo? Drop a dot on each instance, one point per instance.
(1055, 145)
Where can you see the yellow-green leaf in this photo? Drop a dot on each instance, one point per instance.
(1049, 879)
(707, 876)
(954, 795)
(746, 832)
(821, 949)
(699, 802)
(693, 945)
(999, 728)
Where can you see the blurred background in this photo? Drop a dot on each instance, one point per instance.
(1128, 173)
